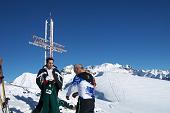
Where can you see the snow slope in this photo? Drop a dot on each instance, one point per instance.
(117, 91)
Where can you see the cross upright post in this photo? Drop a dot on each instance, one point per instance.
(48, 43)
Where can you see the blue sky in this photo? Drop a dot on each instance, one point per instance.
(134, 32)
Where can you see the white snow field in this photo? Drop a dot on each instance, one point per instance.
(117, 91)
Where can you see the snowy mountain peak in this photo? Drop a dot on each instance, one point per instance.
(68, 69)
(26, 80)
(156, 71)
(110, 67)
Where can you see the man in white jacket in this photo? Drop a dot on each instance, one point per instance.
(85, 84)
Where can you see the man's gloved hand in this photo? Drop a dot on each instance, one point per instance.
(67, 97)
(45, 82)
(75, 94)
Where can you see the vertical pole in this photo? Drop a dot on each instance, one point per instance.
(46, 22)
(51, 37)
(2, 83)
(3, 99)
(1, 75)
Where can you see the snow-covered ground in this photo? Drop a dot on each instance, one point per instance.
(117, 91)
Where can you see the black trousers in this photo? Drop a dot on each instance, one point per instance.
(85, 105)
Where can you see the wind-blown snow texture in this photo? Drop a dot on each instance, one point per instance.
(117, 91)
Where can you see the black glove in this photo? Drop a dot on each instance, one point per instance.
(75, 94)
(67, 97)
(44, 76)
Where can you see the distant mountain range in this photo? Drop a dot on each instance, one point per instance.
(155, 73)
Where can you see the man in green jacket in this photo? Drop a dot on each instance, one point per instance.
(49, 81)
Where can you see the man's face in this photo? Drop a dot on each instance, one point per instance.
(50, 64)
(76, 70)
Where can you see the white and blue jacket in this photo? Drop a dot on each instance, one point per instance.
(83, 84)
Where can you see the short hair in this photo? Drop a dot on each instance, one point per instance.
(49, 58)
(78, 66)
